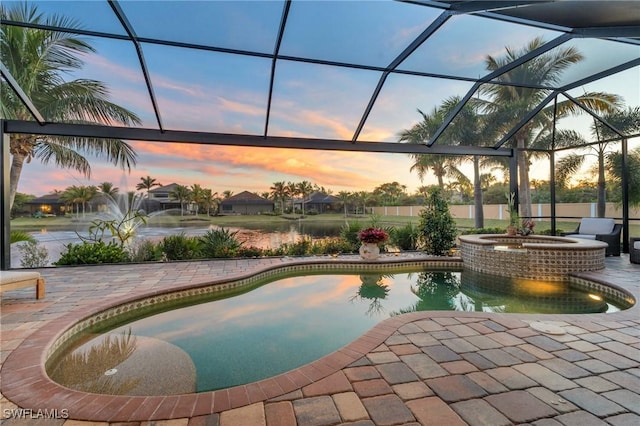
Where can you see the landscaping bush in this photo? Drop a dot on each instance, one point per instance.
(145, 251)
(97, 252)
(436, 228)
(180, 247)
(250, 251)
(219, 243)
(299, 248)
(331, 246)
(405, 237)
(349, 232)
(33, 255)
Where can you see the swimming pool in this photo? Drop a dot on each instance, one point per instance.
(206, 341)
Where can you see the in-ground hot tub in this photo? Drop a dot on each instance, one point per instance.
(534, 256)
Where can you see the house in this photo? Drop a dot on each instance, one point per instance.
(160, 199)
(246, 203)
(318, 202)
(47, 205)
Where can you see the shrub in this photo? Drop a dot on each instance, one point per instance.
(144, 251)
(250, 251)
(331, 246)
(298, 248)
(88, 253)
(219, 243)
(20, 236)
(349, 232)
(33, 255)
(180, 247)
(405, 238)
(436, 228)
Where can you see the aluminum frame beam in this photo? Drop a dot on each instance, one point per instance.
(24, 98)
(154, 135)
(117, 10)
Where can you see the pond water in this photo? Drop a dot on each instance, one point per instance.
(284, 323)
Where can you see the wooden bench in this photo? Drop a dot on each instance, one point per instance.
(13, 280)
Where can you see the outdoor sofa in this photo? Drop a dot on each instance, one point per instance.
(13, 280)
(634, 250)
(601, 229)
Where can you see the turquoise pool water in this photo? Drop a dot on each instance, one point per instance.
(283, 324)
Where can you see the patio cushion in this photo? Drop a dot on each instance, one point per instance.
(583, 236)
(8, 277)
(636, 245)
(596, 226)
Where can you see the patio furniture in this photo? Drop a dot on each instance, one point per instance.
(634, 250)
(13, 280)
(601, 229)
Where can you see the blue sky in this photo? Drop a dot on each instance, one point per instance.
(220, 92)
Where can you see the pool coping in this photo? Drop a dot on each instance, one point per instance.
(26, 383)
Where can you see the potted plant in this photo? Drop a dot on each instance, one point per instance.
(527, 227)
(514, 218)
(370, 239)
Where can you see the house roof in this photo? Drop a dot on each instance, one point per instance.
(52, 198)
(321, 198)
(246, 197)
(163, 189)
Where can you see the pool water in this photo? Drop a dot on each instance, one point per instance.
(283, 324)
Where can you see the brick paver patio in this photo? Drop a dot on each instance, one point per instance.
(427, 368)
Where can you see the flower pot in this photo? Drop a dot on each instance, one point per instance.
(512, 230)
(369, 251)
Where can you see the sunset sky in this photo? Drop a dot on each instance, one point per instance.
(220, 92)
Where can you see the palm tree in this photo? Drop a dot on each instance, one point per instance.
(304, 188)
(108, 189)
(441, 165)
(38, 60)
(614, 169)
(507, 104)
(279, 192)
(180, 194)
(626, 121)
(79, 196)
(292, 191)
(197, 196)
(146, 184)
(209, 198)
(345, 197)
(470, 129)
(226, 194)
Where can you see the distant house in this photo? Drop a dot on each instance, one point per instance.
(320, 202)
(160, 199)
(47, 205)
(246, 203)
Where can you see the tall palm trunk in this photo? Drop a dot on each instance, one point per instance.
(477, 194)
(524, 191)
(602, 191)
(14, 176)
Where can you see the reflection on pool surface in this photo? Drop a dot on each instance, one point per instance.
(280, 326)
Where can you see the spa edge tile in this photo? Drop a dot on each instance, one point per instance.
(298, 378)
(255, 393)
(269, 387)
(204, 403)
(286, 384)
(238, 396)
